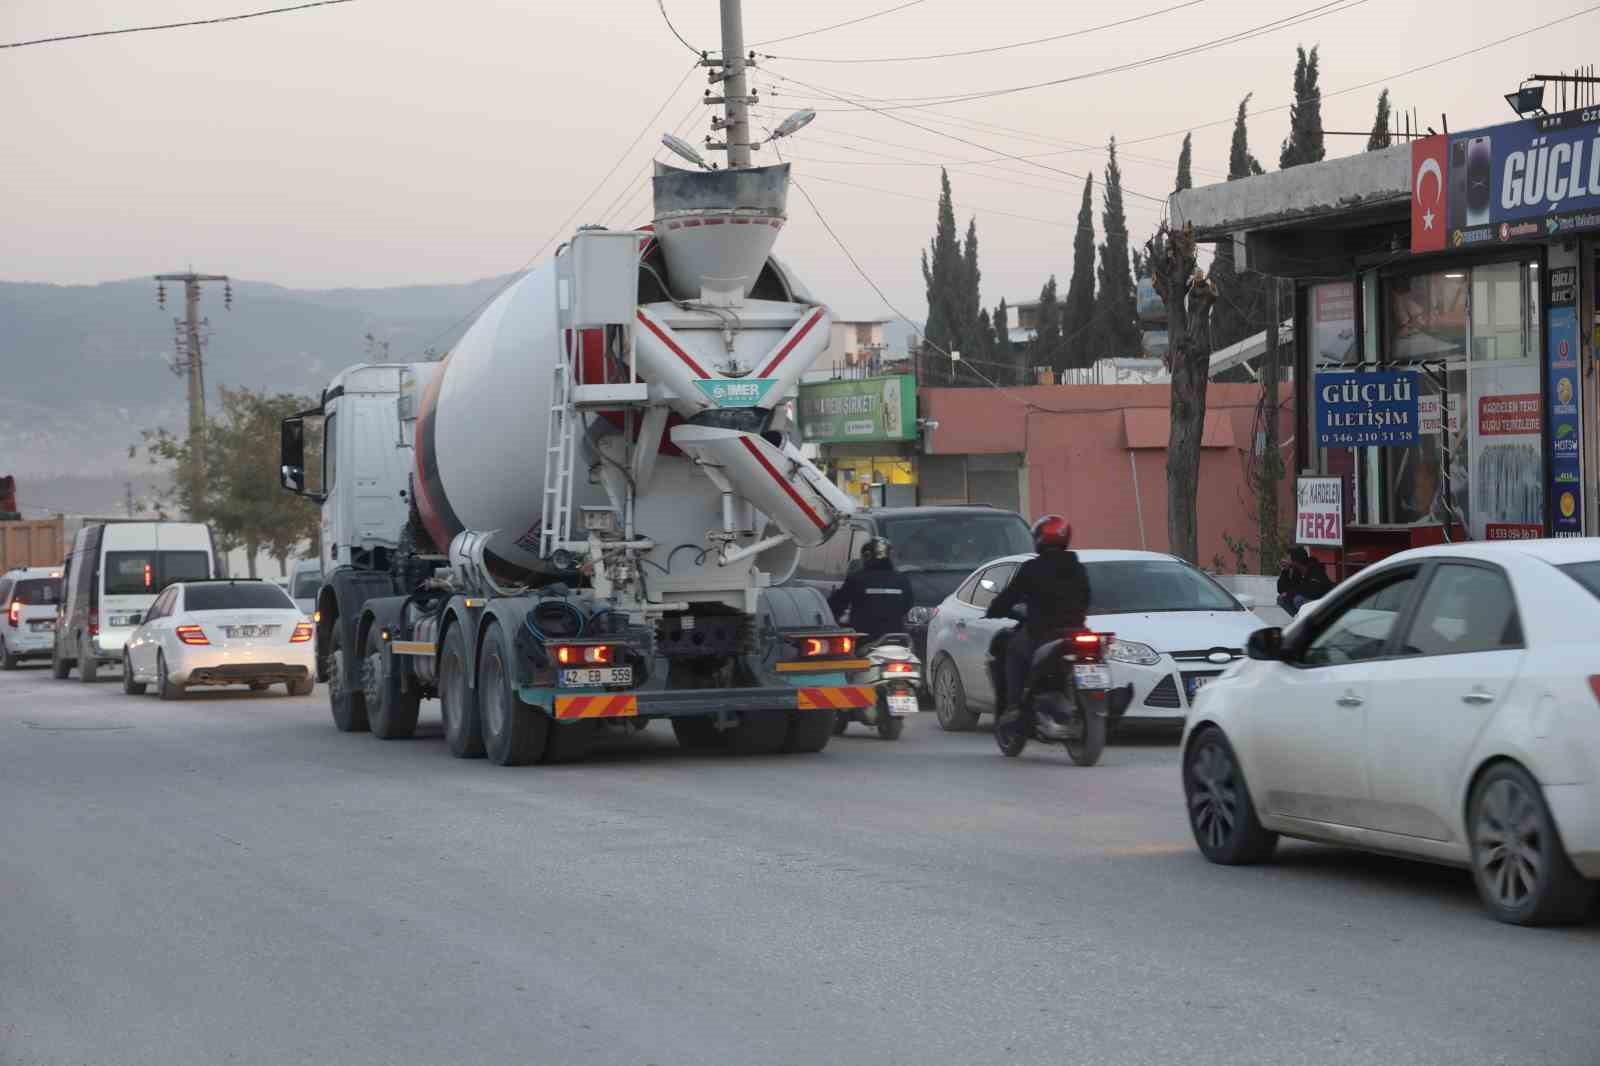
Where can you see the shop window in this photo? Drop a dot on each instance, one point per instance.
(1425, 329)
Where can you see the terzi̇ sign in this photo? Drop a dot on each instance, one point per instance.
(865, 409)
(1365, 410)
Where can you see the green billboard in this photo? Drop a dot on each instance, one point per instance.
(863, 409)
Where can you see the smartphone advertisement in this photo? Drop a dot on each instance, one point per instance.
(1564, 426)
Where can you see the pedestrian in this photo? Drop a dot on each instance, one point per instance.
(1301, 581)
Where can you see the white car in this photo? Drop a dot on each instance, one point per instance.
(1175, 630)
(1443, 704)
(220, 633)
(305, 580)
(29, 599)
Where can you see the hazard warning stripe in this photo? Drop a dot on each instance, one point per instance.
(596, 706)
(672, 345)
(847, 698)
(795, 337)
(783, 482)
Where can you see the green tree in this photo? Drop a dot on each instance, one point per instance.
(1238, 313)
(1185, 158)
(1116, 307)
(1077, 317)
(1241, 163)
(1045, 348)
(975, 338)
(1380, 125)
(941, 274)
(1304, 143)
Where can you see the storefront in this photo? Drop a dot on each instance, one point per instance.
(866, 430)
(1440, 287)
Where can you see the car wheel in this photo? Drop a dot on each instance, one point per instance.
(129, 685)
(950, 700)
(463, 729)
(7, 660)
(164, 686)
(1521, 867)
(345, 698)
(1221, 813)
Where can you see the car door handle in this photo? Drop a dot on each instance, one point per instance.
(1350, 699)
(1478, 696)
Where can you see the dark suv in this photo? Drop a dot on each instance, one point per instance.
(936, 547)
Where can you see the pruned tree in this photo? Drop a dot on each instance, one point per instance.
(1381, 137)
(1189, 296)
(1185, 164)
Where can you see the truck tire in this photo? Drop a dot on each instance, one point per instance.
(463, 729)
(700, 734)
(514, 734)
(810, 731)
(347, 702)
(59, 667)
(88, 665)
(391, 708)
(761, 732)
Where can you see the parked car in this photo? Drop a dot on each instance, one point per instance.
(112, 576)
(305, 579)
(29, 597)
(223, 632)
(936, 547)
(1175, 630)
(1443, 704)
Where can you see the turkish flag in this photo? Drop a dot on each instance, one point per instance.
(1430, 164)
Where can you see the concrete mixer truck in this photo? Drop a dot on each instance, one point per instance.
(579, 520)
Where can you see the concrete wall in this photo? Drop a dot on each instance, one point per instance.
(1365, 180)
(1087, 446)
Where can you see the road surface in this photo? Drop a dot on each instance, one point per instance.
(226, 879)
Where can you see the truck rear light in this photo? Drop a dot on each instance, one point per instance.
(828, 647)
(898, 668)
(94, 623)
(191, 635)
(302, 633)
(585, 654)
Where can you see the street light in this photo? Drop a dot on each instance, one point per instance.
(680, 147)
(1527, 100)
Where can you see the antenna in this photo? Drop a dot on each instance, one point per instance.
(680, 147)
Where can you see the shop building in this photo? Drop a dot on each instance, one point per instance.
(865, 430)
(1444, 326)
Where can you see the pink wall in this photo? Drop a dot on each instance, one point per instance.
(1077, 441)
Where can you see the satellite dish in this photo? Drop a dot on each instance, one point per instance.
(680, 147)
(793, 124)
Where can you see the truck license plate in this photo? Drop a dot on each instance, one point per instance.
(903, 705)
(1091, 676)
(606, 675)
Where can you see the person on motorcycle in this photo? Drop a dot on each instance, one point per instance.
(1055, 588)
(876, 597)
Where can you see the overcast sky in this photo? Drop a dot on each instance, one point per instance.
(386, 142)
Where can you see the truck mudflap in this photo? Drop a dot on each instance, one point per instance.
(685, 703)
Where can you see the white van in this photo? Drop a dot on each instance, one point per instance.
(112, 577)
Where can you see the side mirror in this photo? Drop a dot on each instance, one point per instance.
(1265, 644)
(292, 455)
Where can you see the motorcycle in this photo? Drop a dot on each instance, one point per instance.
(1068, 691)
(895, 675)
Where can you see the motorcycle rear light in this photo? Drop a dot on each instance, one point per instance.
(898, 668)
(1087, 646)
(94, 623)
(302, 633)
(191, 635)
(827, 647)
(585, 654)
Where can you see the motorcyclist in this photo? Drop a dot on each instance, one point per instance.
(1055, 588)
(876, 597)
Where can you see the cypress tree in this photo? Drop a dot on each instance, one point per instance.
(1116, 312)
(974, 336)
(1235, 315)
(1185, 178)
(1078, 313)
(1304, 143)
(1045, 348)
(1380, 124)
(941, 273)
(1000, 322)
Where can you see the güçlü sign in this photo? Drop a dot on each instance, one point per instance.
(1373, 409)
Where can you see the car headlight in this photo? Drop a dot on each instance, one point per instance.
(1131, 651)
(920, 616)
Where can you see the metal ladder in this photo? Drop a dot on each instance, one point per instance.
(560, 453)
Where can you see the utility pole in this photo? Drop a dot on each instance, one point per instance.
(190, 361)
(735, 86)
(127, 490)
(1270, 467)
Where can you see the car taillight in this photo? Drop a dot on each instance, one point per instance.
(585, 654)
(827, 647)
(302, 633)
(94, 623)
(1086, 646)
(898, 668)
(1594, 685)
(15, 612)
(191, 635)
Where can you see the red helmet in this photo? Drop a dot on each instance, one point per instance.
(1052, 531)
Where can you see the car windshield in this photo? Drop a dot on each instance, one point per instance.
(236, 596)
(1585, 574)
(954, 540)
(136, 573)
(306, 585)
(38, 591)
(1145, 586)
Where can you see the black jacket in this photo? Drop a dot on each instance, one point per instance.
(1313, 584)
(1055, 588)
(876, 598)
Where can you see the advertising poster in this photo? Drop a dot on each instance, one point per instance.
(864, 409)
(1372, 410)
(1333, 324)
(1519, 181)
(1319, 511)
(1562, 399)
(1507, 453)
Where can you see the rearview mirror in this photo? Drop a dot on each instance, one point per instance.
(1265, 644)
(299, 472)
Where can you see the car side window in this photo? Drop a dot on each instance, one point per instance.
(991, 583)
(163, 605)
(5, 593)
(969, 587)
(1465, 609)
(1361, 628)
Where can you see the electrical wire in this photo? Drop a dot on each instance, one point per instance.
(839, 25)
(174, 25)
(996, 48)
(662, 4)
(920, 197)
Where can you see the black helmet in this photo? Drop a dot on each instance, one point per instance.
(876, 549)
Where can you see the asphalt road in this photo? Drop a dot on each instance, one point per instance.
(227, 879)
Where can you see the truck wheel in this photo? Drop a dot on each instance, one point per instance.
(88, 666)
(347, 702)
(391, 709)
(810, 731)
(463, 729)
(59, 667)
(7, 660)
(700, 734)
(514, 734)
(130, 687)
(762, 732)
(164, 686)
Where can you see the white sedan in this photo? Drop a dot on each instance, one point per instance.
(1175, 630)
(220, 633)
(1443, 704)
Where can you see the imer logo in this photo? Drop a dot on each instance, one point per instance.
(735, 392)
